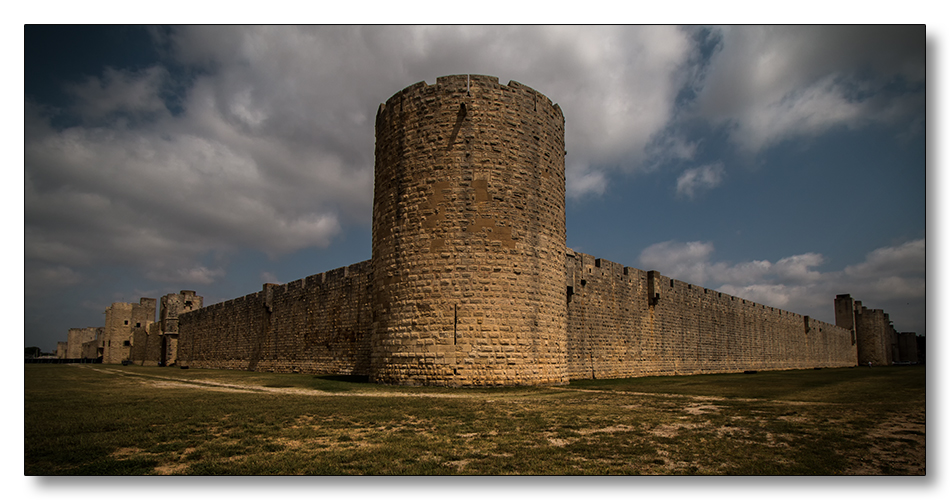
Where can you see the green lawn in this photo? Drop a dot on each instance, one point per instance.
(109, 419)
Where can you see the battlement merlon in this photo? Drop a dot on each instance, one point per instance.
(657, 285)
(469, 84)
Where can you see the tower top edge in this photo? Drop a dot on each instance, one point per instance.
(463, 82)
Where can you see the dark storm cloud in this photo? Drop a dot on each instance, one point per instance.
(273, 146)
(773, 83)
(262, 138)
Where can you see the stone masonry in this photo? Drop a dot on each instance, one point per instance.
(471, 283)
(624, 322)
(158, 344)
(468, 236)
(93, 349)
(131, 333)
(77, 337)
(122, 321)
(318, 324)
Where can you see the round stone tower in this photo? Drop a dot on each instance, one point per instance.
(469, 236)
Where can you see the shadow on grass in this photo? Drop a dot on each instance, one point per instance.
(352, 379)
(830, 385)
(346, 379)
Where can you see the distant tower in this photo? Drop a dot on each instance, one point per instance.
(469, 236)
(75, 340)
(172, 305)
(873, 331)
(122, 320)
(844, 314)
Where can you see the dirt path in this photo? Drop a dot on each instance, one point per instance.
(209, 385)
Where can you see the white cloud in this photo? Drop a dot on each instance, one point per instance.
(798, 267)
(890, 278)
(582, 181)
(685, 261)
(699, 179)
(669, 147)
(775, 295)
(198, 275)
(773, 83)
(908, 258)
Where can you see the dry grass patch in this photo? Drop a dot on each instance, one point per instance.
(114, 421)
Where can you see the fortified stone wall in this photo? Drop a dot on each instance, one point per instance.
(877, 339)
(76, 338)
(121, 320)
(323, 323)
(318, 324)
(61, 350)
(907, 346)
(147, 345)
(468, 236)
(94, 348)
(174, 304)
(158, 345)
(625, 322)
(139, 352)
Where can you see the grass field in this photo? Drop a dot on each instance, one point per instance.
(110, 419)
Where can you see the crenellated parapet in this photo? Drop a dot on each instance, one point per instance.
(471, 283)
(626, 322)
(318, 324)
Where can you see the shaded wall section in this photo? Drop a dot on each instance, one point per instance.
(877, 339)
(625, 322)
(318, 324)
(907, 346)
(77, 337)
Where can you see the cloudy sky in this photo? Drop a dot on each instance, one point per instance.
(784, 164)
